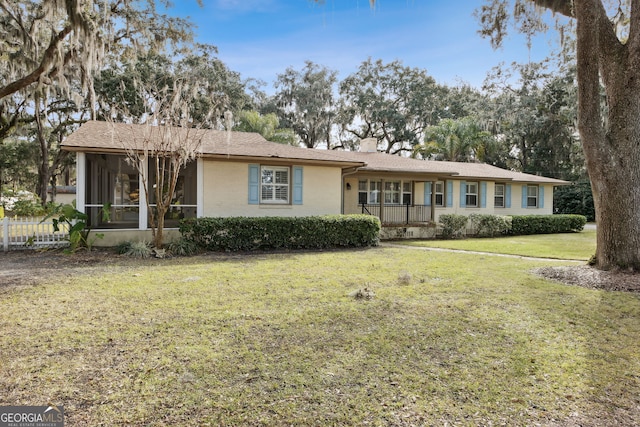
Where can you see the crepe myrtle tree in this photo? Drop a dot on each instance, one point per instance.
(170, 139)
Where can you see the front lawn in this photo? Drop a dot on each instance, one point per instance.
(577, 246)
(276, 339)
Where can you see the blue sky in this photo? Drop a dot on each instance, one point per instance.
(261, 38)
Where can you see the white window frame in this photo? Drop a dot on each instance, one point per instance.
(472, 194)
(439, 188)
(363, 192)
(392, 192)
(374, 192)
(395, 192)
(407, 192)
(496, 195)
(276, 187)
(533, 197)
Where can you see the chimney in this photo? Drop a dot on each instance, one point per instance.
(368, 145)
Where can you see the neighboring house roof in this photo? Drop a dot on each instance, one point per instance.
(381, 162)
(97, 136)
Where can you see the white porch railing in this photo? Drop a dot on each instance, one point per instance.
(26, 233)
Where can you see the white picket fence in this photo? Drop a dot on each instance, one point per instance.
(29, 233)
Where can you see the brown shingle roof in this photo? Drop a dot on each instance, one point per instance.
(99, 136)
(103, 136)
(381, 162)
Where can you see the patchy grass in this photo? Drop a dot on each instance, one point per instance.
(276, 339)
(576, 246)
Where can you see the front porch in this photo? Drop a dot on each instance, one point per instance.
(393, 215)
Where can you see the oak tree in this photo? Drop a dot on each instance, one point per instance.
(608, 58)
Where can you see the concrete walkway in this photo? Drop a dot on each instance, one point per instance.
(462, 251)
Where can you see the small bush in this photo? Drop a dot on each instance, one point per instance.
(546, 224)
(139, 250)
(490, 225)
(453, 225)
(123, 247)
(21, 203)
(313, 232)
(183, 247)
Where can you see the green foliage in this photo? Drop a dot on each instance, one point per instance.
(490, 225)
(76, 222)
(453, 225)
(575, 199)
(123, 247)
(266, 125)
(389, 102)
(21, 203)
(315, 232)
(305, 102)
(140, 249)
(183, 247)
(545, 224)
(461, 140)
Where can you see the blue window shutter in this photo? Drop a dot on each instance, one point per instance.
(297, 185)
(541, 197)
(254, 184)
(449, 194)
(463, 194)
(483, 194)
(507, 196)
(524, 197)
(427, 194)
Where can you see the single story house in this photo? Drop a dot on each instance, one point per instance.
(242, 174)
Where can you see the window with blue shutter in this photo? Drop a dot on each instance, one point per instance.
(254, 184)
(427, 194)
(449, 194)
(463, 194)
(297, 185)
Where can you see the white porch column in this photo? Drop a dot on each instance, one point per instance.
(81, 181)
(200, 187)
(143, 215)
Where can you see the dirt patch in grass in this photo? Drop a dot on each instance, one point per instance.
(592, 278)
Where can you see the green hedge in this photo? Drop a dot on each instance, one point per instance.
(546, 224)
(313, 232)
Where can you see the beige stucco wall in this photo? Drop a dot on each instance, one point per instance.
(226, 188)
(351, 199)
(516, 202)
(114, 237)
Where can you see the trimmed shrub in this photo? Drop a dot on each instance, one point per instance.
(313, 232)
(546, 224)
(490, 225)
(453, 225)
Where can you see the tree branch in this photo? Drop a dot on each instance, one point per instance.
(47, 59)
(562, 7)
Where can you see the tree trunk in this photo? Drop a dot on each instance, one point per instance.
(611, 147)
(44, 172)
